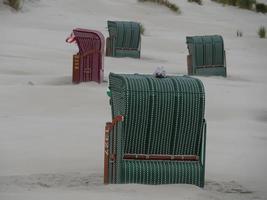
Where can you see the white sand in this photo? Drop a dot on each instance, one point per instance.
(51, 131)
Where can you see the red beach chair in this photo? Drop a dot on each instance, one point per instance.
(88, 63)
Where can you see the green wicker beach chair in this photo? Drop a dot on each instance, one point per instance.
(206, 56)
(124, 39)
(158, 131)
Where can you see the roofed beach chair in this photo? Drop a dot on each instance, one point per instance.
(88, 62)
(124, 39)
(206, 55)
(158, 131)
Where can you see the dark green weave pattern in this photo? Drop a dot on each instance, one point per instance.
(125, 38)
(161, 116)
(161, 172)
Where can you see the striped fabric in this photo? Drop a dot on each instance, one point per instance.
(162, 116)
(124, 40)
(207, 55)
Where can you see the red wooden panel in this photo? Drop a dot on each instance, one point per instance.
(91, 49)
(76, 69)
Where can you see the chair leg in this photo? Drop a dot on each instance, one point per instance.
(106, 153)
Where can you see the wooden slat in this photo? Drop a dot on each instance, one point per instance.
(206, 66)
(76, 69)
(161, 157)
(106, 153)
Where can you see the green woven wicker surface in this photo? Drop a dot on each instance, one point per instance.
(207, 52)
(125, 38)
(161, 172)
(161, 116)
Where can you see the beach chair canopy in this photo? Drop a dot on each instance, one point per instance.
(160, 138)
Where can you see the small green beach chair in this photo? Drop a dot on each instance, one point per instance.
(124, 39)
(206, 56)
